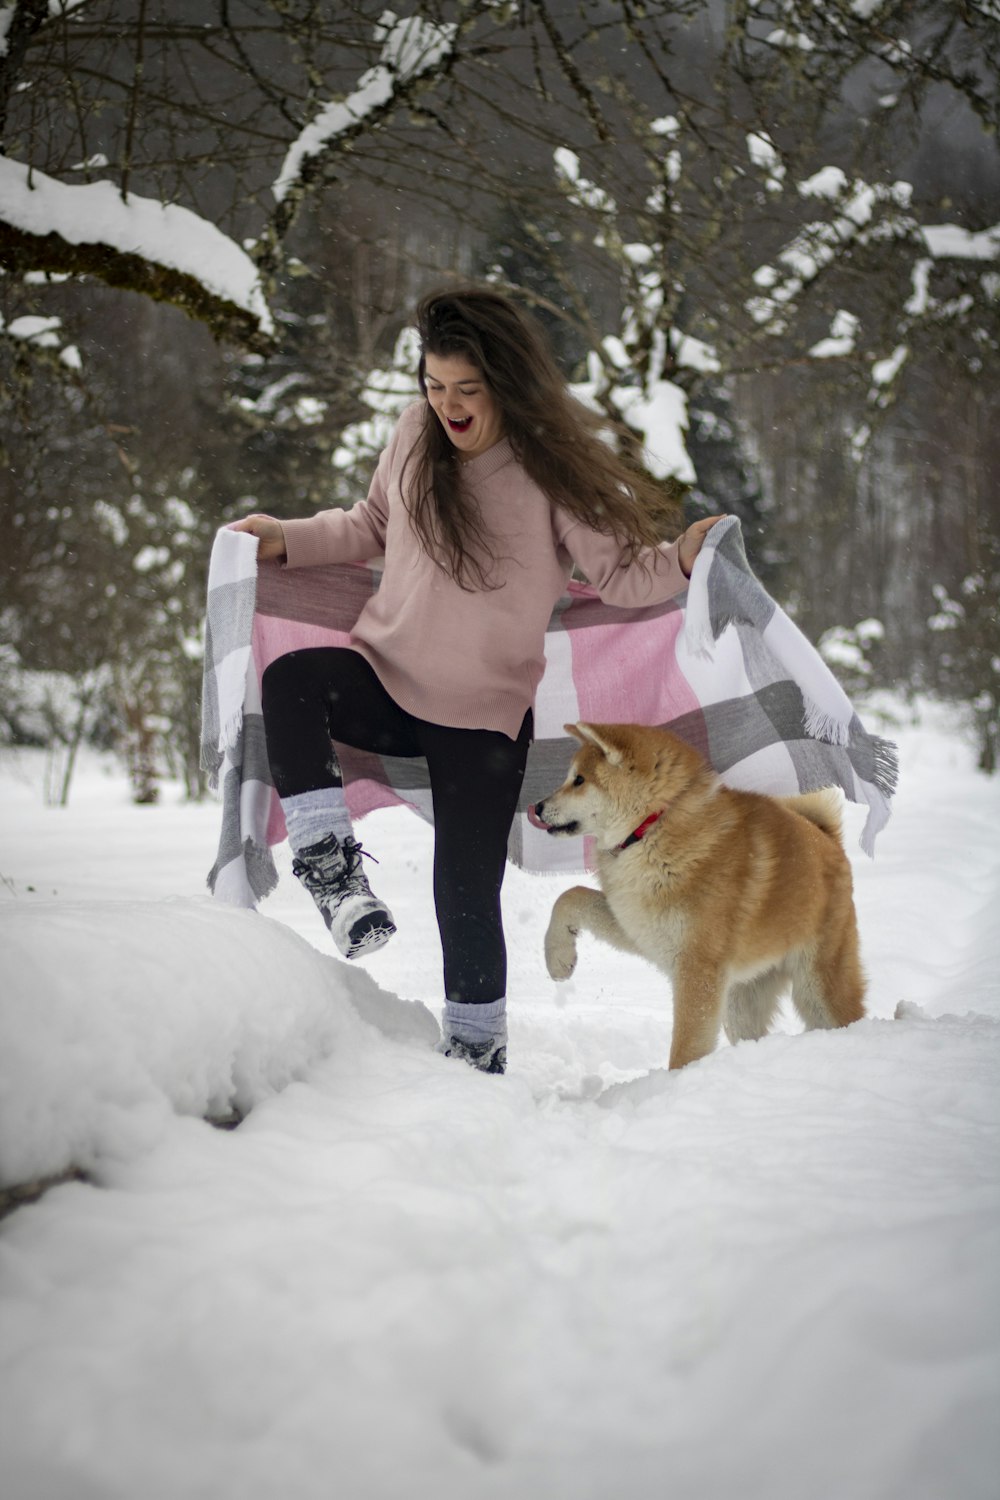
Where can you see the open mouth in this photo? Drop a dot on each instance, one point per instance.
(462, 425)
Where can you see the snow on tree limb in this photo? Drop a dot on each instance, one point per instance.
(42, 334)
(411, 47)
(863, 210)
(963, 244)
(413, 50)
(160, 249)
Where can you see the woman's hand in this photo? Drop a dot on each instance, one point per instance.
(692, 540)
(269, 533)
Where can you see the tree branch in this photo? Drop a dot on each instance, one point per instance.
(21, 251)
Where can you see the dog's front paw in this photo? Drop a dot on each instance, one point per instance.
(560, 949)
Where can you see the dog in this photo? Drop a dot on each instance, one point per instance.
(734, 895)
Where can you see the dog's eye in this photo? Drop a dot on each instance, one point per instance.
(578, 781)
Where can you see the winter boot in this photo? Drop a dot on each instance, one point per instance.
(487, 1057)
(331, 872)
(476, 1033)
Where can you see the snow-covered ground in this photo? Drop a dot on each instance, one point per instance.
(774, 1276)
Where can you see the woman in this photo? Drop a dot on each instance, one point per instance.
(489, 491)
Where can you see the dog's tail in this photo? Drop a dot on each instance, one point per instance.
(822, 808)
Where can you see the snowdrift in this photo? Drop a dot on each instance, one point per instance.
(114, 1018)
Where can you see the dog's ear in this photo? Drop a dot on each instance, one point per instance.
(599, 735)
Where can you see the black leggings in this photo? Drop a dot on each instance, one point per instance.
(331, 693)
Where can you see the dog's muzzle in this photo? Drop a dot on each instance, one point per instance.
(536, 817)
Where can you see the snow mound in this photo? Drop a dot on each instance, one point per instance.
(115, 1017)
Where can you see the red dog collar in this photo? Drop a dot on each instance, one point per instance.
(637, 833)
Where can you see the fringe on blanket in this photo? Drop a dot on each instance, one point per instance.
(885, 770)
(823, 726)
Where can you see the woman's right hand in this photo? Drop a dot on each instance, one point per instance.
(269, 533)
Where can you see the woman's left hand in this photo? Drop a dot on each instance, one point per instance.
(692, 540)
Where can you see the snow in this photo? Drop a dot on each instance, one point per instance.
(42, 333)
(828, 182)
(950, 240)
(773, 1275)
(919, 301)
(791, 39)
(884, 371)
(387, 392)
(163, 233)
(657, 411)
(410, 47)
(763, 153)
(91, 163)
(840, 342)
(578, 188)
(694, 354)
(38, 331)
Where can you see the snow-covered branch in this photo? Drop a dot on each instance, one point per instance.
(411, 48)
(863, 211)
(913, 278)
(413, 52)
(160, 249)
(41, 334)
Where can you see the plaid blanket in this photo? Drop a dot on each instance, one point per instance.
(721, 665)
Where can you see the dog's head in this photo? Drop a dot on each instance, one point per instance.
(620, 774)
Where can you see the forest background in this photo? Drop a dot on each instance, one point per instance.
(764, 236)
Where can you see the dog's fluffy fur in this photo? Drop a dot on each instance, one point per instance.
(734, 895)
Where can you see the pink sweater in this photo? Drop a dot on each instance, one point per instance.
(447, 655)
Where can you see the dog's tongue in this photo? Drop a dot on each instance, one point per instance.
(534, 819)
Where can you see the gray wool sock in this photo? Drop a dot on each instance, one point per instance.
(476, 1023)
(310, 816)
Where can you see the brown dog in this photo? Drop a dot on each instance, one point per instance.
(734, 895)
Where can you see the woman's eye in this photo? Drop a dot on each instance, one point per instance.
(578, 781)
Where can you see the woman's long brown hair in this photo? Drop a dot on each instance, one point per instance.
(554, 437)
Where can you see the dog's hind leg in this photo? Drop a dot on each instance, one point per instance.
(577, 910)
(828, 986)
(751, 1004)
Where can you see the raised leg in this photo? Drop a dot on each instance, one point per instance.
(577, 910)
(309, 698)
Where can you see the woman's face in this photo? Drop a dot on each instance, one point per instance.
(463, 403)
